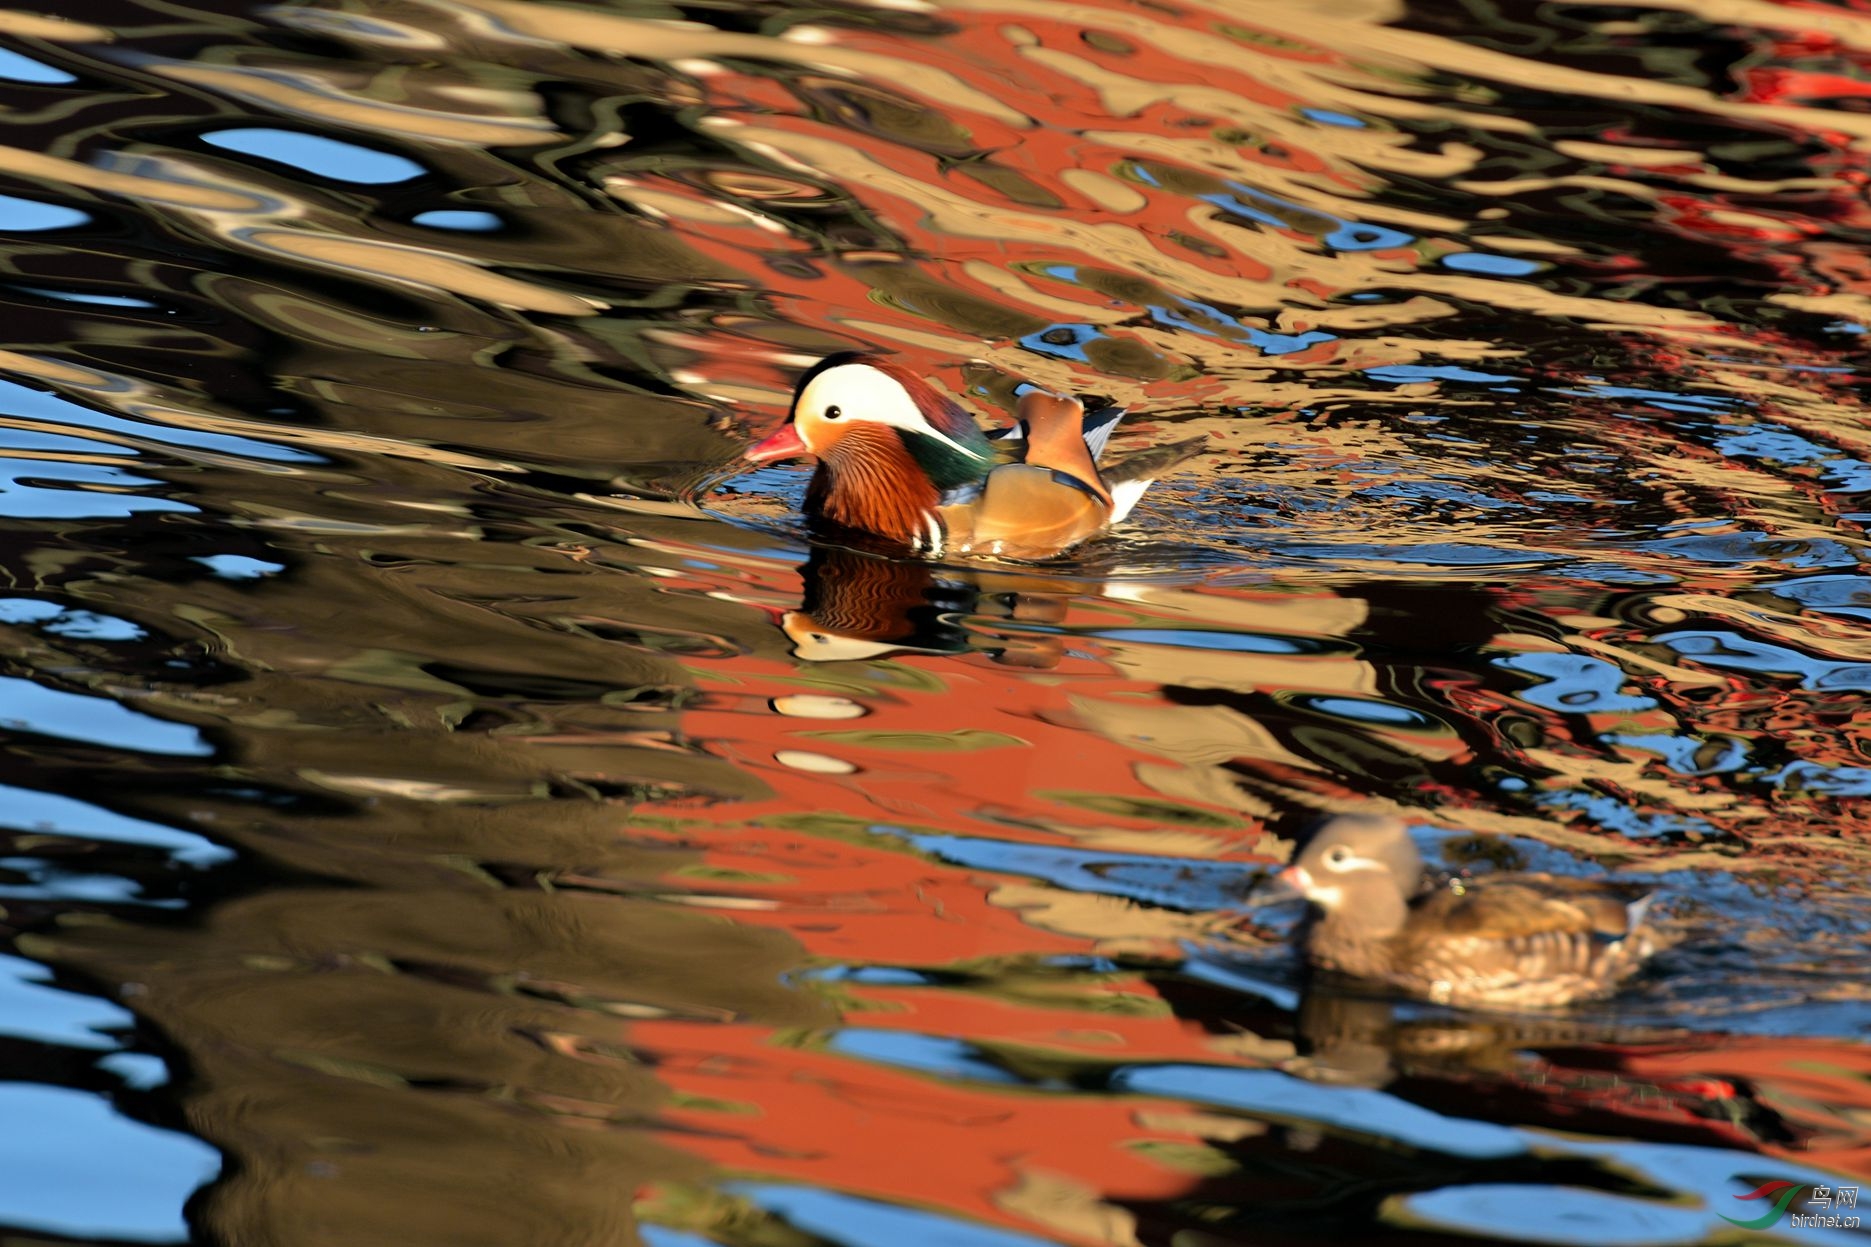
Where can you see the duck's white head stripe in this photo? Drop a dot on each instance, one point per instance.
(932, 526)
(866, 392)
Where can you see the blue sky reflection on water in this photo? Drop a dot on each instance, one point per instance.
(1358, 1109)
(36, 404)
(23, 496)
(319, 154)
(29, 707)
(54, 1169)
(31, 1010)
(1548, 1214)
(48, 813)
(29, 215)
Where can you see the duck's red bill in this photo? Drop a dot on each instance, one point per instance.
(784, 444)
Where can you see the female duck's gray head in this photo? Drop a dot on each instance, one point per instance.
(1358, 865)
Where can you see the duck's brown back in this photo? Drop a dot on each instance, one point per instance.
(1520, 941)
(1524, 940)
(1523, 905)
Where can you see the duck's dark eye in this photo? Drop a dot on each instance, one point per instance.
(1337, 855)
(832, 413)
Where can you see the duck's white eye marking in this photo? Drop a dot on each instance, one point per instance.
(874, 396)
(1337, 856)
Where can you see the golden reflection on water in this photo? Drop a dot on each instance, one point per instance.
(612, 859)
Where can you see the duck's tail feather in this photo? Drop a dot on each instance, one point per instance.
(1638, 912)
(1130, 476)
(1098, 427)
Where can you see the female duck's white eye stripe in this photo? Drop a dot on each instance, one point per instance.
(862, 392)
(1340, 860)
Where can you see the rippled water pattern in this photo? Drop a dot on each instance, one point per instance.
(445, 802)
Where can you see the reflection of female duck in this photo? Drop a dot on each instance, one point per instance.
(899, 460)
(1503, 941)
(1584, 1073)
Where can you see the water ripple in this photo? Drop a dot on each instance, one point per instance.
(433, 774)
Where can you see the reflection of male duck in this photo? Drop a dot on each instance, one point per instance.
(897, 459)
(1500, 941)
(858, 606)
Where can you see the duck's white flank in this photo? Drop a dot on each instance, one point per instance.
(1124, 496)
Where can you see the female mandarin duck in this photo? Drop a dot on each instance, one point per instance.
(899, 460)
(1499, 941)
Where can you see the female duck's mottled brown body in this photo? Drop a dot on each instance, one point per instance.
(1506, 941)
(899, 460)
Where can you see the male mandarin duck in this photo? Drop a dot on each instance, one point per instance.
(897, 459)
(1499, 941)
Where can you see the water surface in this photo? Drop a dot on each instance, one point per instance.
(446, 802)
